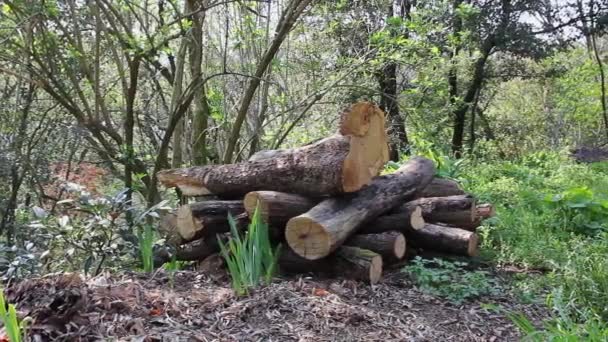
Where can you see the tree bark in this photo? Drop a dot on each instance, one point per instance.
(276, 208)
(403, 220)
(445, 239)
(390, 245)
(208, 218)
(348, 262)
(458, 211)
(441, 187)
(193, 251)
(325, 227)
(338, 164)
(201, 106)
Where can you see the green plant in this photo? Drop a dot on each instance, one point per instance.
(14, 329)
(250, 258)
(146, 238)
(560, 330)
(449, 279)
(583, 211)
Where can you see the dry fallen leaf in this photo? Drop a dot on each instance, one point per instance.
(155, 312)
(319, 292)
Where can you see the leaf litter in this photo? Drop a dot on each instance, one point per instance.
(190, 306)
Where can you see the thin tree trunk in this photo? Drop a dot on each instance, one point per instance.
(288, 19)
(201, 105)
(600, 66)
(176, 97)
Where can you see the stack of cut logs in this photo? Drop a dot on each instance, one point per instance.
(327, 204)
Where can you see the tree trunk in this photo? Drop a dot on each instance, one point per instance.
(445, 239)
(325, 227)
(461, 109)
(458, 211)
(338, 164)
(440, 187)
(348, 262)
(201, 106)
(284, 26)
(208, 218)
(390, 245)
(276, 208)
(480, 213)
(403, 220)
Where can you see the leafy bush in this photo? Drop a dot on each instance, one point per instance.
(581, 209)
(83, 233)
(449, 279)
(14, 329)
(251, 258)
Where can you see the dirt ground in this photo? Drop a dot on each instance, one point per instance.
(191, 306)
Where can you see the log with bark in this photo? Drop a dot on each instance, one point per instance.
(458, 210)
(341, 163)
(481, 212)
(191, 251)
(348, 262)
(445, 239)
(325, 227)
(440, 187)
(401, 220)
(276, 208)
(390, 245)
(208, 218)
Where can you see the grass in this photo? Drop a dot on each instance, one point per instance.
(146, 238)
(552, 214)
(250, 258)
(8, 316)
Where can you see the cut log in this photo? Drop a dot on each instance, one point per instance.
(208, 218)
(192, 251)
(484, 211)
(348, 262)
(404, 219)
(445, 239)
(276, 208)
(325, 227)
(339, 164)
(440, 187)
(481, 212)
(361, 264)
(390, 245)
(458, 210)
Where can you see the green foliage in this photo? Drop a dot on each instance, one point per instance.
(14, 329)
(85, 233)
(449, 279)
(551, 215)
(146, 237)
(582, 208)
(251, 259)
(561, 329)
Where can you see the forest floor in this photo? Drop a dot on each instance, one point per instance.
(193, 306)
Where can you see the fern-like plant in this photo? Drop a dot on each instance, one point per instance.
(251, 259)
(10, 321)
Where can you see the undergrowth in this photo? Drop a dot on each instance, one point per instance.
(250, 258)
(449, 279)
(552, 215)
